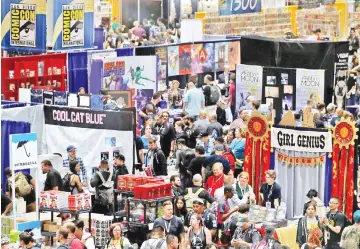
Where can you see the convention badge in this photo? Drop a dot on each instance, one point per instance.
(268, 205)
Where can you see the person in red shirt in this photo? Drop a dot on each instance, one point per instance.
(216, 180)
(73, 241)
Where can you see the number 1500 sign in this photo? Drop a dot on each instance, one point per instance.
(240, 7)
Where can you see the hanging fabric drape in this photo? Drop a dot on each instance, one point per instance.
(343, 164)
(257, 150)
(77, 71)
(7, 128)
(297, 173)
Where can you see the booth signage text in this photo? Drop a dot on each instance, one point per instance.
(296, 140)
(73, 25)
(23, 151)
(234, 7)
(23, 25)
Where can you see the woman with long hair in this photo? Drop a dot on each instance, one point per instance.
(198, 236)
(314, 240)
(353, 42)
(117, 239)
(75, 182)
(243, 189)
(180, 208)
(238, 148)
(174, 95)
(26, 240)
(308, 223)
(147, 135)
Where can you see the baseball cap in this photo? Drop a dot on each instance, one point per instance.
(228, 188)
(70, 148)
(198, 201)
(205, 134)
(159, 226)
(242, 219)
(219, 147)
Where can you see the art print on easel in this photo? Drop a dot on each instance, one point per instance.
(73, 25)
(23, 25)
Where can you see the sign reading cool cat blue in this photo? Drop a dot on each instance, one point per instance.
(235, 7)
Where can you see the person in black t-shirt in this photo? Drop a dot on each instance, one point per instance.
(6, 205)
(197, 163)
(30, 198)
(166, 133)
(335, 223)
(154, 102)
(139, 149)
(172, 224)
(53, 179)
(190, 132)
(270, 191)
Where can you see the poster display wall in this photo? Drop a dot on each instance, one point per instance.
(73, 24)
(23, 25)
(310, 84)
(83, 128)
(249, 82)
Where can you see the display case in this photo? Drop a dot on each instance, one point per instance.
(47, 71)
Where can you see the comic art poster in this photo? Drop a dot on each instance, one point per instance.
(209, 63)
(184, 59)
(221, 55)
(198, 56)
(23, 25)
(234, 55)
(173, 60)
(162, 64)
(124, 73)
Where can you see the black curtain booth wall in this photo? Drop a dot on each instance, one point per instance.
(261, 51)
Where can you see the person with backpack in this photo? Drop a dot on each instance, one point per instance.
(208, 217)
(197, 163)
(155, 158)
(335, 223)
(307, 223)
(227, 154)
(117, 239)
(72, 241)
(197, 236)
(212, 95)
(86, 238)
(197, 191)
(184, 155)
(119, 168)
(245, 234)
(104, 187)
(71, 181)
(157, 240)
(350, 237)
(166, 132)
(215, 128)
(62, 237)
(25, 185)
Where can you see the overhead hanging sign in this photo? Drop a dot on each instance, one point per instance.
(298, 140)
(235, 7)
(23, 151)
(23, 26)
(73, 24)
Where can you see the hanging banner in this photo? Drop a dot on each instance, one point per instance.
(161, 52)
(234, 55)
(298, 140)
(249, 81)
(73, 24)
(124, 73)
(296, 160)
(310, 84)
(233, 7)
(23, 26)
(341, 73)
(173, 60)
(23, 151)
(221, 55)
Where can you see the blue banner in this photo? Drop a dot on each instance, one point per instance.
(73, 24)
(235, 7)
(23, 25)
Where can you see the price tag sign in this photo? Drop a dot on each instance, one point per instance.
(235, 7)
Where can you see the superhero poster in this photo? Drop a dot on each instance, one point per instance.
(221, 55)
(185, 59)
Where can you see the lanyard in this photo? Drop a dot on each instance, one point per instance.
(167, 228)
(271, 189)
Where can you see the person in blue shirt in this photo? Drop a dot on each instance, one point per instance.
(194, 100)
(238, 144)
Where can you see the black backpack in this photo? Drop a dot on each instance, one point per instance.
(66, 183)
(189, 154)
(214, 95)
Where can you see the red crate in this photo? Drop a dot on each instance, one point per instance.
(122, 182)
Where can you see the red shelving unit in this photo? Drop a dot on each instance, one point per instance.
(25, 73)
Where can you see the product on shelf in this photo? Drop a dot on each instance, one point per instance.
(58, 199)
(76, 202)
(102, 225)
